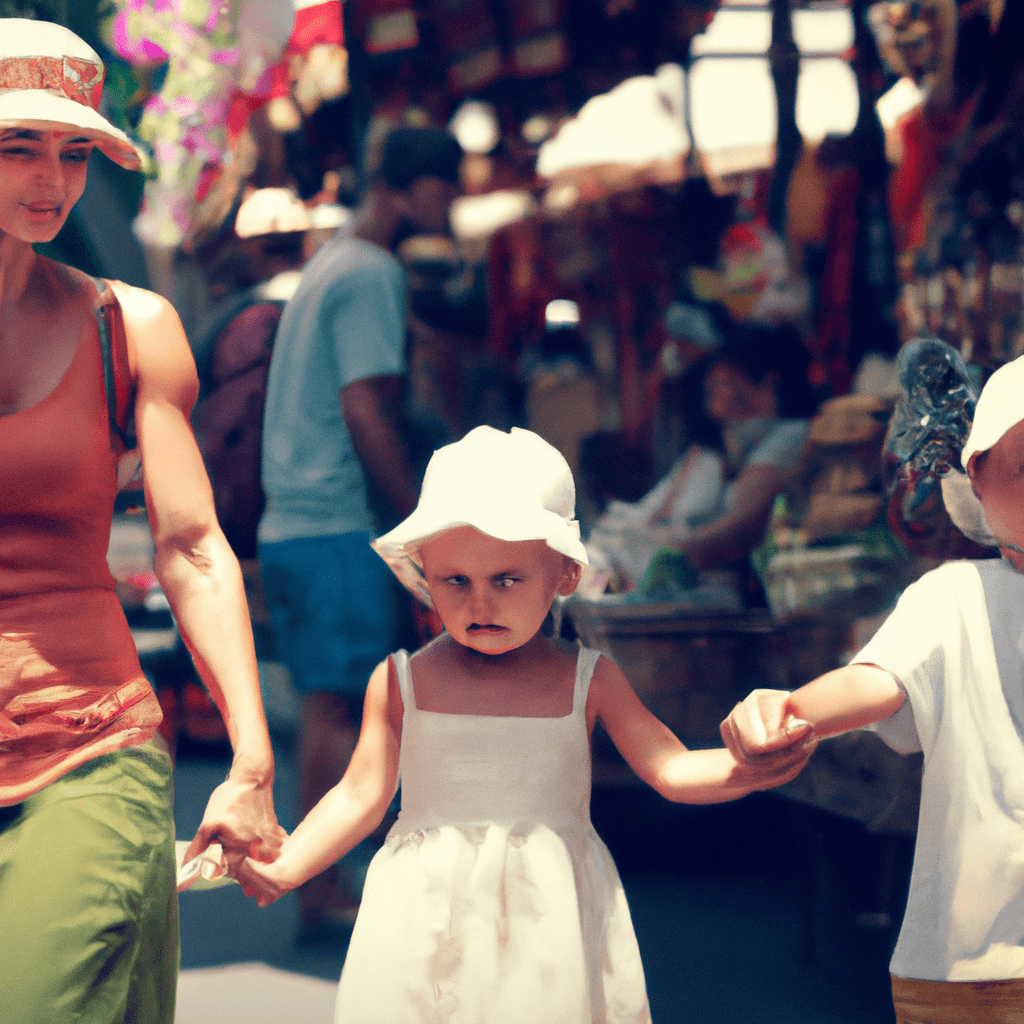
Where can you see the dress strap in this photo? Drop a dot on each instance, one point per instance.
(586, 661)
(400, 659)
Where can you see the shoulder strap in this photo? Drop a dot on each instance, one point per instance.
(116, 378)
(399, 662)
(586, 661)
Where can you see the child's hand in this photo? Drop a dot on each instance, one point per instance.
(760, 728)
(264, 881)
(774, 768)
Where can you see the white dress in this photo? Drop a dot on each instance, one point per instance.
(493, 900)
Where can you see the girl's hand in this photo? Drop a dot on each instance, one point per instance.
(264, 881)
(774, 768)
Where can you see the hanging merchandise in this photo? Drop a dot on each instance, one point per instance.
(208, 50)
(386, 26)
(469, 36)
(538, 43)
(314, 67)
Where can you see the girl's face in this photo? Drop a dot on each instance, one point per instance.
(998, 479)
(493, 595)
(42, 175)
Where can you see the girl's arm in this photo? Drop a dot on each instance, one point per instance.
(838, 701)
(656, 754)
(350, 811)
(199, 574)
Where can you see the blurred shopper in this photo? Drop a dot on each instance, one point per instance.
(259, 269)
(87, 866)
(748, 407)
(336, 467)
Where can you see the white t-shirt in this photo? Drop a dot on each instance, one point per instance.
(955, 641)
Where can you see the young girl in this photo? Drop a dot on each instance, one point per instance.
(943, 676)
(493, 899)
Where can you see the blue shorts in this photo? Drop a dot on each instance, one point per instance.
(334, 608)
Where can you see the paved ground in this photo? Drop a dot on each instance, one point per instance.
(758, 912)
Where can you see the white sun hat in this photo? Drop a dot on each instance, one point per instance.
(51, 80)
(513, 486)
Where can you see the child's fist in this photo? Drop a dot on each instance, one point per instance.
(264, 881)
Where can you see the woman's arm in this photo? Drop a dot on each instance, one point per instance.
(199, 573)
(351, 810)
(846, 698)
(653, 751)
(734, 534)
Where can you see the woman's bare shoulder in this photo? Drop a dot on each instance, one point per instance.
(141, 304)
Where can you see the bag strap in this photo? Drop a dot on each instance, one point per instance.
(107, 312)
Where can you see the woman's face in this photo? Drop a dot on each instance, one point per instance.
(42, 175)
(730, 395)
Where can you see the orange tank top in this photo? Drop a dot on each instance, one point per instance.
(71, 687)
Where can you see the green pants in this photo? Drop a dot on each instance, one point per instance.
(88, 908)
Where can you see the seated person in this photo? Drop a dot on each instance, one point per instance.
(749, 415)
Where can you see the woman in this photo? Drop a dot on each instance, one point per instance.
(87, 872)
(747, 405)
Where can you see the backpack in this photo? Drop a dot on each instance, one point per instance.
(229, 417)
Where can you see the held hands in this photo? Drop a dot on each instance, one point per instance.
(769, 744)
(264, 881)
(240, 817)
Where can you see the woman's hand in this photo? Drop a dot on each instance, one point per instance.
(240, 816)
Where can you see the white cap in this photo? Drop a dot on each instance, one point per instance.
(50, 79)
(1000, 407)
(512, 486)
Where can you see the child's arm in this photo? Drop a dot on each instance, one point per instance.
(838, 701)
(657, 755)
(347, 813)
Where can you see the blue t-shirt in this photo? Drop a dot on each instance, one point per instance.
(346, 322)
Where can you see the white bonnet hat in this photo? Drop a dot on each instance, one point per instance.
(512, 486)
(1000, 407)
(51, 79)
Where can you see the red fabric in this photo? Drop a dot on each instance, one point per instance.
(924, 146)
(316, 25)
(922, 153)
(831, 344)
(321, 23)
